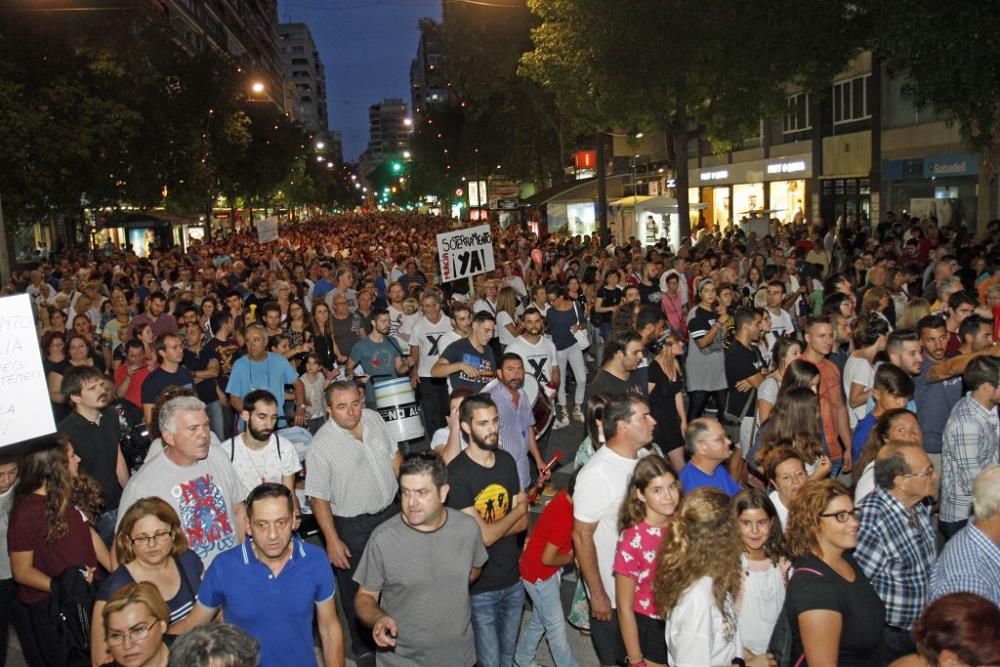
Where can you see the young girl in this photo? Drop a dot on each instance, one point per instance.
(652, 498)
(765, 569)
(315, 382)
(549, 548)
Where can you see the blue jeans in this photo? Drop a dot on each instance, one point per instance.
(496, 618)
(546, 619)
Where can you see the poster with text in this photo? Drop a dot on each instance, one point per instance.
(467, 252)
(267, 230)
(25, 411)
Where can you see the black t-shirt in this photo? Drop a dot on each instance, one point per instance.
(650, 294)
(608, 297)
(463, 351)
(862, 611)
(741, 362)
(227, 352)
(97, 447)
(606, 383)
(199, 362)
(160, 379)
(491, 491)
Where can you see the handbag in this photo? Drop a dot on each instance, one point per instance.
(782, 643)
(581, 334)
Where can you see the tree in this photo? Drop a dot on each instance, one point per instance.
(691, 69)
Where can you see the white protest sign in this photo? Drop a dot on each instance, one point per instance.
(25, 411)
(465, 253)
(267, 230)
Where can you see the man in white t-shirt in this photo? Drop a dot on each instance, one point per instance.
(399, 321)
(427, 342)
(537, 351)
(600, 488)
(259, 454)
(782, 323)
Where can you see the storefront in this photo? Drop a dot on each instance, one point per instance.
(943, 186)
(847, 198)
(774, 188)
(650, 219)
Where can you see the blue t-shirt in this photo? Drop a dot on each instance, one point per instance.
(277, 610)
(272, 374)
(693, 478)
(191, 569)
(861, 432)
(160, 379)
(378, 361)
(934, 401)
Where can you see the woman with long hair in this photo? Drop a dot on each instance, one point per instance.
(705, 371)
(564, 318)
(895, 425)
(836, 617)
(508, 324)
(666, 397)
(698, 580)
(795, 422)
(754, 281)
(650, 503)
(606, 298)
(324, 342)
(765, 568)
(51, 531)
(876, 301)
(78, 353)
(672, 303)
(134, 621)
(786, 350)
(297, 329)
(915, 310)
(870, 338)
(150, 546)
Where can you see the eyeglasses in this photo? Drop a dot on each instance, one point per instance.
(843, 515)
(151, 541)
(136, 634)
(926, 473)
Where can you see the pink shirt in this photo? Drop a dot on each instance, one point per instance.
(635, 558)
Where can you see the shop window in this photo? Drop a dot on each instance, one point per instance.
(865, 186)
(850, 99)
(797, 113)
(838, 186)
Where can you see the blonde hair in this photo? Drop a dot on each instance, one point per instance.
(914, 310)
(703, 542)
(410, 305)
(142, 592)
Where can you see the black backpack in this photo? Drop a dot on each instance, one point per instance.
(70, 605)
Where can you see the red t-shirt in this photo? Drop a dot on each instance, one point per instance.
(554, 526)
(27, 532)
(134, 393)
(954, 344)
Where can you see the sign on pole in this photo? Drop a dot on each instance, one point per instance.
(465, 253)
(267, 230)
(25, 410)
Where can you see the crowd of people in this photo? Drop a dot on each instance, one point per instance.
(786, 451)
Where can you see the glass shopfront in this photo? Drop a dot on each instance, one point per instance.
(788, 200)
(748, 198)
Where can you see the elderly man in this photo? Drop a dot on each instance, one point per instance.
(896, 541)
(709, 447)
(971, 560)
(197, 480)
(351, 484)
(273, 586)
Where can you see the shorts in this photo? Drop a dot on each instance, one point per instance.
(652, 638)
(606, 637)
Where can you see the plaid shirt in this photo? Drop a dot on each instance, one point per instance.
(970, 562)
(971, 442)
(896, 551)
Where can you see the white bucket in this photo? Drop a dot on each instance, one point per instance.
(396, 401)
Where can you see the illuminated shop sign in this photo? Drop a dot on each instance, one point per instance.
(788, 167)
(716, 175)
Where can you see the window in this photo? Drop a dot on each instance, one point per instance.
(299, 61)
(850, 99)
(797, 113)
(298, 49)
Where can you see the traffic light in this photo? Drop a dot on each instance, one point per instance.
(397, 167)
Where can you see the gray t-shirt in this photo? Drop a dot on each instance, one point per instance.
(427, 594)
(204, 496)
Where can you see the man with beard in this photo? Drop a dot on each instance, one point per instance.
(517, 421)
(273, 586)
(622, 355)
(95, 431)
(832, 407)
(649, 286)
(485, 485)
(378, 356)
(259, 454)
(536, 351)
(404, 582)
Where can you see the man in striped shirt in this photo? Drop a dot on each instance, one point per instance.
(517, 422)
(971, 441)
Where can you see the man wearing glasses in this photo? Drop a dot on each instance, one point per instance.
(896, 541)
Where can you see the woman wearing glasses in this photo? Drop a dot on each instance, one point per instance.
(150, 546)
(836, 616)
(135, 619)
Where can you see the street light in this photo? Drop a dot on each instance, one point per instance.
(257, 87)
(407, 155)
(408, 122)
(320, 145)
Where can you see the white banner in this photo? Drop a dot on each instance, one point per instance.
(25, 410)
(465, 253)
(267, 230)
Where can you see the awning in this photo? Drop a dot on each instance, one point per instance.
(654, 204)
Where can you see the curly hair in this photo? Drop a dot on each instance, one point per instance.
(965, 624)
(49, 467)
(795, 419)
(877, 439)
(649, 468)
(704, 542)
(802, 531)
(756, 499)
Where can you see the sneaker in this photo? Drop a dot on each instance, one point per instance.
(549, 491)
(561, 420)
(577, 413)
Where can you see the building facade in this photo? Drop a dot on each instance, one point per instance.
(389, 130)
(428, 88)
(304, 77)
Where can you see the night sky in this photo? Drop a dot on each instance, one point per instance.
(366, 46)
